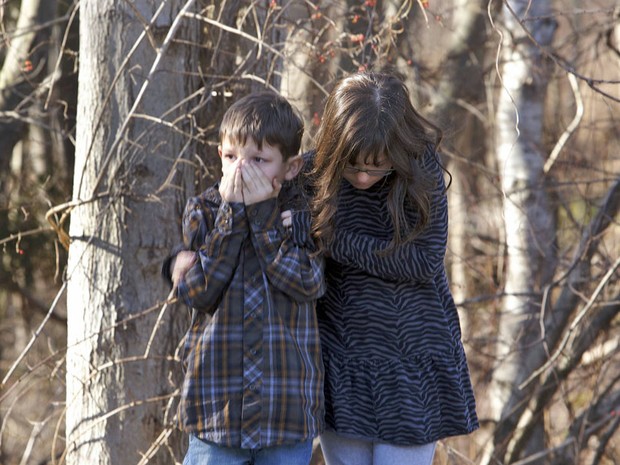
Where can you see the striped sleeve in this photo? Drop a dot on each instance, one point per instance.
(418, 260)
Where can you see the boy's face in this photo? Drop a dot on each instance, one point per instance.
(269, 159)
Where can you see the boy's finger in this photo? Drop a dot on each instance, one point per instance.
(250, 177)
(238, 184)
(234, 186)
(227, 179)
(257, 179)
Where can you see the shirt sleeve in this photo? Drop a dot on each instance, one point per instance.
(217, 257)
(288, 261)
(417, 260)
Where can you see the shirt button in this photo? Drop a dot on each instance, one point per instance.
(253, 352)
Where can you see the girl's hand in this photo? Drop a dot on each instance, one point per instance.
(256, 185)
(287, 218)
(182, 263)
(231, 187)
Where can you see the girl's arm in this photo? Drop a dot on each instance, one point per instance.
(418, 260)
(218, 252)
(286, 257)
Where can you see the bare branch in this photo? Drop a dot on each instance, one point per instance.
(34, 337)
(574, 325)
(570, 130)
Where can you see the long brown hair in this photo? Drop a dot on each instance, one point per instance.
(367, 116)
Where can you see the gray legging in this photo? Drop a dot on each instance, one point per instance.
(341, 450)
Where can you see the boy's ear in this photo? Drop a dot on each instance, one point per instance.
(293, 167)
(219, 151)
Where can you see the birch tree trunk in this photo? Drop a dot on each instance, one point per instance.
(528, 219)
(131, 118)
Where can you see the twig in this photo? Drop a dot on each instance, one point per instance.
(580, 316)
(63, 46)
(604, 441)
(34, 336)
(63, 237)
(423, 11)
(593, 426)
(571, 127)
(561, 62)
(99, 419)
(256, 40)
(156, 445)
(36, 431)
(171, 299)
(19, 235)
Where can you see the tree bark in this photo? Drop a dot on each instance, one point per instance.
(312, 60)
(461, 80)
(528, 218)
(131, 124)
(23, 68)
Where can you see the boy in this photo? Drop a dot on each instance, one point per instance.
(253, 388)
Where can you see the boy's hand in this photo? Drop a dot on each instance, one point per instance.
(231, 187)
(256, 185)
(182, 263)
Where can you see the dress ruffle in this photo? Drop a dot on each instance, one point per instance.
(407, 401)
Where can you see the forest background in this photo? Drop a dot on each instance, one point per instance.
(108, 120)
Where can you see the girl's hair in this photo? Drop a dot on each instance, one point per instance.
(265, 117)
(369, 116)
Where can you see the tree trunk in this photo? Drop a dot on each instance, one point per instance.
(528, 218)
(461, 80)
(24, 67)
(311, 65)
(119, 387)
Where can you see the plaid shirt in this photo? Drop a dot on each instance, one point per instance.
(254, 373)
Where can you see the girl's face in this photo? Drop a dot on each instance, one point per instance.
(362, 175)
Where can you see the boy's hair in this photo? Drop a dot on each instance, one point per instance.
(265, 117)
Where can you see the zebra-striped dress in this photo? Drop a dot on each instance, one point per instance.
(395, 366)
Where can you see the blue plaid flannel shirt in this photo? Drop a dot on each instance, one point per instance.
(254, 373)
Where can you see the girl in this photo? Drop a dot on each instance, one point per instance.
(396, 374)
